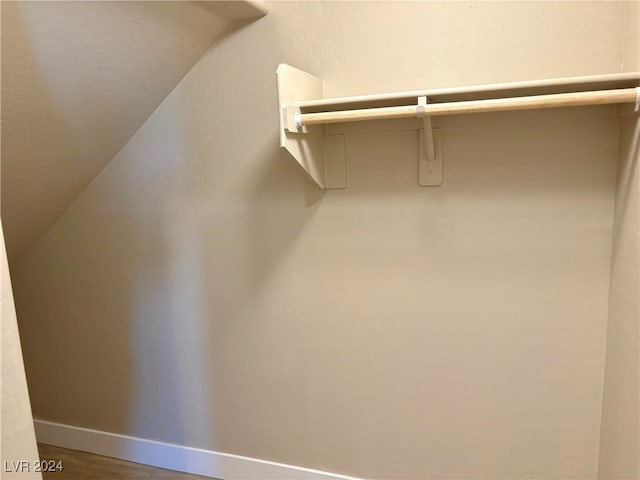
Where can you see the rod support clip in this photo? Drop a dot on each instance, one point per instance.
(293, 119)
(430, 164)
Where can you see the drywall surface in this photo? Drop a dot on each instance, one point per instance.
(631, 58)
(203, 292)
(79, 78)
(620, 430)
(620, 439)
(17, 438)
(18, 441)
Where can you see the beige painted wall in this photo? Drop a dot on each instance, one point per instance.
(17, 439)
(631, 47)
(201, 291)
(620, 437)
(79, 78)
(620, 430)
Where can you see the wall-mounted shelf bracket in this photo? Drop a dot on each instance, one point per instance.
(321, 156)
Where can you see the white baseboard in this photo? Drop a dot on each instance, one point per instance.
(173, 457)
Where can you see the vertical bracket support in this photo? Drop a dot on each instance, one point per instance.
(321, 156)
(430, 149)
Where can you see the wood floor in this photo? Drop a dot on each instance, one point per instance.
(82, 465)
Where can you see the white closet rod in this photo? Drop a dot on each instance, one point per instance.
(575, 99)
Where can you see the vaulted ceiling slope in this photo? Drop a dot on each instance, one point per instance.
(78, 79)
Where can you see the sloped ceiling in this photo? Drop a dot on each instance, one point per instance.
(78, 79)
